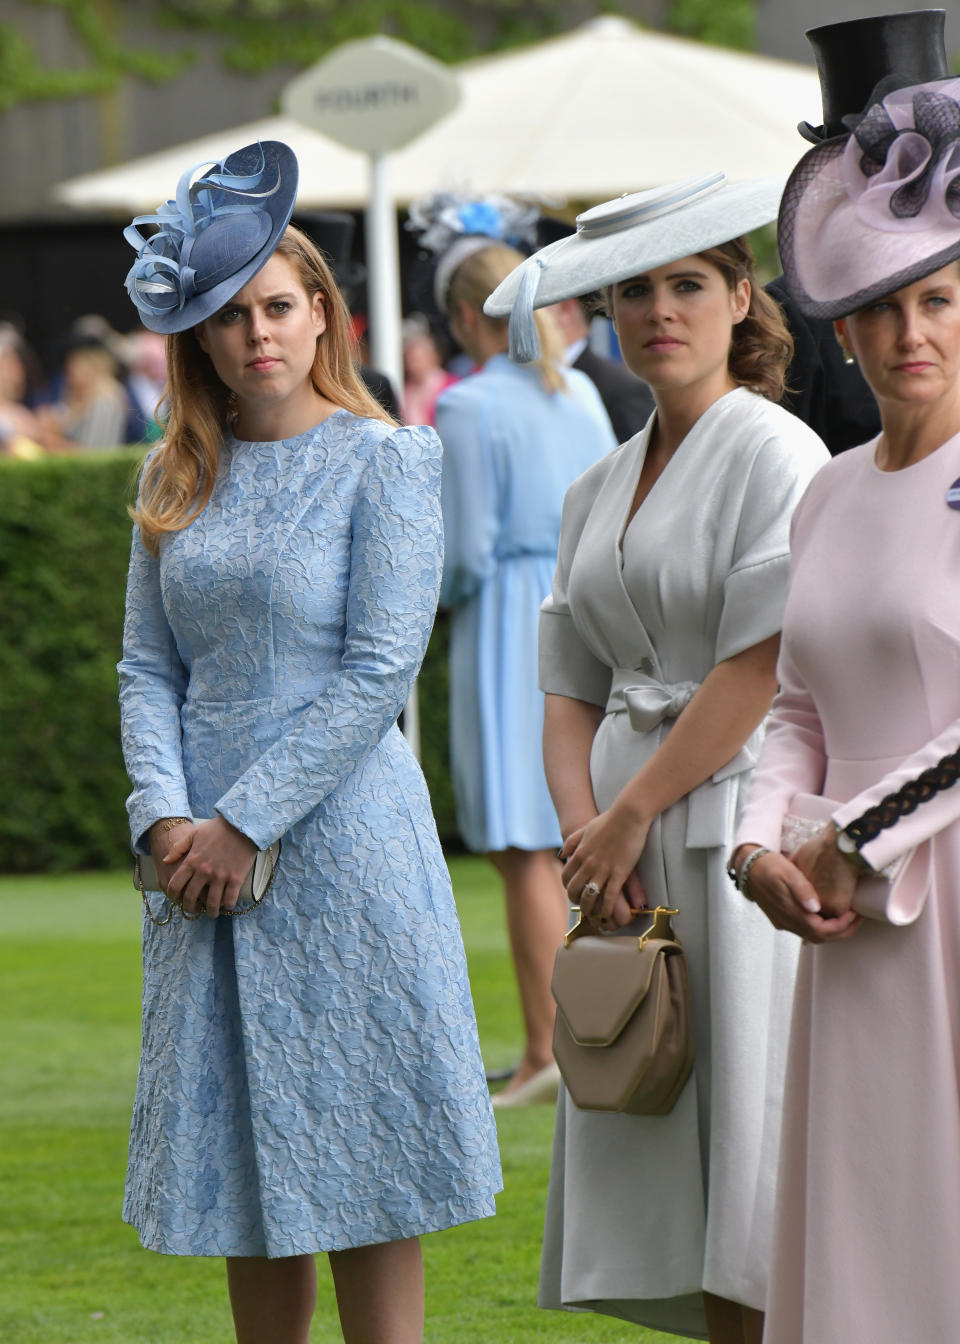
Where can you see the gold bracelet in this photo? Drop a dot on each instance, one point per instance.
(167, 824)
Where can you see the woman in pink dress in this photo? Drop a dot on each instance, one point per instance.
(857, 777)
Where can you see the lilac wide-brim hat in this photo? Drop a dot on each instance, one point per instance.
(866, 214)
(213, 238)
(630, 235)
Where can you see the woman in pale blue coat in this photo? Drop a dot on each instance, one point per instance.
(310, 1077)
(514, 438)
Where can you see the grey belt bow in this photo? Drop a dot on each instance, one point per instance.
(648, 701)
(711, 806)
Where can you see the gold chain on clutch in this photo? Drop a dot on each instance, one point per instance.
(201, 909)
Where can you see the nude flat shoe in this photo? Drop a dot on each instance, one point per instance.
(538, 1090)
(501, 1075)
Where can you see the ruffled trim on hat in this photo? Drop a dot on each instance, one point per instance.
(161, 280)
(870, 213)
(902, 164)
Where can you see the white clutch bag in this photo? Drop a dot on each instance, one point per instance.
(895, 896)
(255, 886)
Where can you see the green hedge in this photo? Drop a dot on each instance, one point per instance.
(64, 541)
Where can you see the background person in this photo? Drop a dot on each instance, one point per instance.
(657, 652)
(22, 432)
(626, 398)
(146, 358)
(92, 409)
(513, 440)
(868, 722)
(310, 1078)
(423, 372)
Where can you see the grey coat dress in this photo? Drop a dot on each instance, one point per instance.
(645, 1213)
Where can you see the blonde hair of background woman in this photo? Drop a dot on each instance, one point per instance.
(179, 476)
(474, 281)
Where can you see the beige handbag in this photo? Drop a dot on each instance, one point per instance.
(624, 1032)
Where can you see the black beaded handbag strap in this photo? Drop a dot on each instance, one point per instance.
(906, 800)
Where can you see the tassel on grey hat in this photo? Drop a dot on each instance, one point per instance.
(524, 338)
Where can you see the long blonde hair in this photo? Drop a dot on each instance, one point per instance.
(474, 281)
(178, 477)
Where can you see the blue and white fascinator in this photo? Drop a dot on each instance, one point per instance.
(213, 238)
(454, 227)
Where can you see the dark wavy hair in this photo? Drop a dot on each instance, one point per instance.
(761, 346)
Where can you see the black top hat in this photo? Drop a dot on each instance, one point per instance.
(332, 231)
(853, 57)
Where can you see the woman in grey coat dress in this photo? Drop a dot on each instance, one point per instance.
(658, 646)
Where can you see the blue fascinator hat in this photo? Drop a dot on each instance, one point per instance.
(213, 238)
(453, 227)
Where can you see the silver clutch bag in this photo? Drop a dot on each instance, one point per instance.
(254, 888)
(895, 896)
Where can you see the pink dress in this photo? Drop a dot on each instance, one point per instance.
(867, 1226)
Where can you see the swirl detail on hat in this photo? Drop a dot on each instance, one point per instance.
(865, 216)
(162, 278)
(213, 237)
(901, 166)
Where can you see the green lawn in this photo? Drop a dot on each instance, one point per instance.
(72, 1273)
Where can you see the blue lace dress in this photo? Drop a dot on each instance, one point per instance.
(310, 1077)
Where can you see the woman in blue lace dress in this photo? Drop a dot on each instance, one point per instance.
(310, 1078)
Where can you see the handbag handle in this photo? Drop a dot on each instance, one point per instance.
(660, 927)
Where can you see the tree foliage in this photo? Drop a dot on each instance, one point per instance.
(731, 23)
(24, 77)
(255, 36)
(64, 543)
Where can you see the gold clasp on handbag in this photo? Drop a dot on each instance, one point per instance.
(660, 928)
(579, 929)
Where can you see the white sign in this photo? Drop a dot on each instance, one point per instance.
(375, 95)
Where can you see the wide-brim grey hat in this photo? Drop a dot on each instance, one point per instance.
(213, 238)
(628, 236)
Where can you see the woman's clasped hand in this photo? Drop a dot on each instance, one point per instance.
(810, 894)
(202, 865)
(599, 872)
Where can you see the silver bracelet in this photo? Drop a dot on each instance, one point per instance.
(743, 877)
